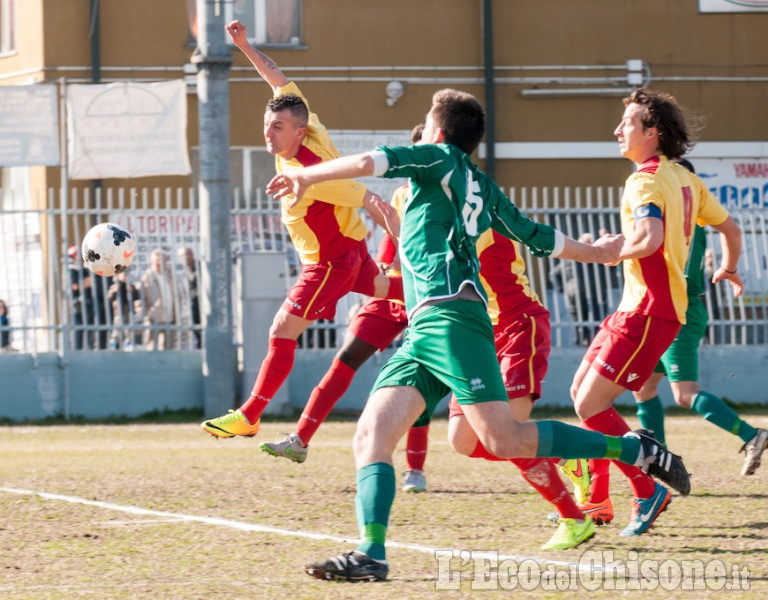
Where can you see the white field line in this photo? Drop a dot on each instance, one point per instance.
(590, 569)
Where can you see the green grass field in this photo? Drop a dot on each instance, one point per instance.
(167, 512)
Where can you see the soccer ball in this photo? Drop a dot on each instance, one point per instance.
(108, 249)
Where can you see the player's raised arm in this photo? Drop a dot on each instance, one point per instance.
(296, 181)
(266, 67)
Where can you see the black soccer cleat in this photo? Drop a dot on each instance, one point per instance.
(350, 566)
(658, 462)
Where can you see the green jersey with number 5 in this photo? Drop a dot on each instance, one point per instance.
(450, 203)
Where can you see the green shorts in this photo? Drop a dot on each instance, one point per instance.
(680, 362)
(448, 348)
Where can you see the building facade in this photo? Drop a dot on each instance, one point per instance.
(551, 73)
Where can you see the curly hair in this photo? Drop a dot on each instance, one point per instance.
(664, 113)
(292, 103)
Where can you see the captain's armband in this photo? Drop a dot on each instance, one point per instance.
(647, 210)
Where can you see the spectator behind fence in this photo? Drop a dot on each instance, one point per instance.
(158, 302)
(189, 288)
(5, 331)
(579, 282)
(89, 313)
(121, 297)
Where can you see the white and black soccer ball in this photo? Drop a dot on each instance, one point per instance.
(108, 249)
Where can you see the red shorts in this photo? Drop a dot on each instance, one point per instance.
(379, 322)
(522, 347)
(320, 286)
(628, 346)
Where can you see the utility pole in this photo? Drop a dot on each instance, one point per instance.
(95, 40)
(213, 59)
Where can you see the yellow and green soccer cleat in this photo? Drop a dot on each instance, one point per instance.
(229, 425)
(577, 470)
(570, 533)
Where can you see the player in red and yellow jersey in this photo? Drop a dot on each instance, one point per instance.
(374, 327)
(325, 228)
(661, 204)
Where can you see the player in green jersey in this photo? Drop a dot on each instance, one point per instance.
(449, 346)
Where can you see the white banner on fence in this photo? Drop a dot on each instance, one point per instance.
(29, 126)
(127, 130)
(732, 6)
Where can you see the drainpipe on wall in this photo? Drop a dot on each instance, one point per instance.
(490, 99)
(95, 39)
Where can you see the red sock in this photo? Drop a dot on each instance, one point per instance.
(274, 371)
(481, 452)
(323, 398)
(599, 473)
(542, 475)
(610, 422)
(416, 447)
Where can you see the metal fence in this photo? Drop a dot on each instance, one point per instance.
(579, 211)
(54, 305)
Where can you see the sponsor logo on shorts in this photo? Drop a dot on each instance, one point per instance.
(516, 388)
(605, 365)
(674, 368)
(476, 384)
(631, 377)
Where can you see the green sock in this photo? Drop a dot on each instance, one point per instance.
(716, 411)
(375, 495)
(651, 416)
(558, 439)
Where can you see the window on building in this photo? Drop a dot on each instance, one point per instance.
(7, 26)
(269, 22)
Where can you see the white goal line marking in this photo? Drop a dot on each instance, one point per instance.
(239, 525)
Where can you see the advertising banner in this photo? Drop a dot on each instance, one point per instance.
(735, 182)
